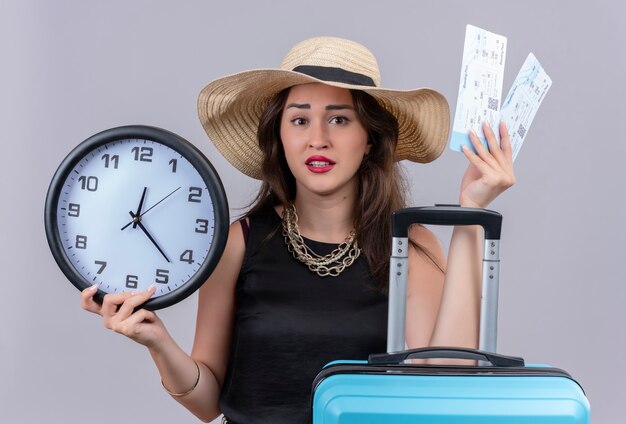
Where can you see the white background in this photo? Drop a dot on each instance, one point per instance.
(69, 69)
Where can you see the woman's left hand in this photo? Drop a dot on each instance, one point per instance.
(490, 172)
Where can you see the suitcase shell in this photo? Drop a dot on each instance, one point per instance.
(501, 389)
(351, 393)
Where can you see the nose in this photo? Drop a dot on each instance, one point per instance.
(318, 136)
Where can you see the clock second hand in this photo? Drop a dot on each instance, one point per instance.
(137, 220)
(149, 209)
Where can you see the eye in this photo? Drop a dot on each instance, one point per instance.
(339, 120)
(298, 121)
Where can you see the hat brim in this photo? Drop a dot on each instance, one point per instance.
(230, 108)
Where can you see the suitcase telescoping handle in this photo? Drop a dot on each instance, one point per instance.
(444, 215)
(446, 352)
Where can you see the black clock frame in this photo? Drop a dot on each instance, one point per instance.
(178, 144)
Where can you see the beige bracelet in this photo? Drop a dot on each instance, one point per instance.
(188, 391)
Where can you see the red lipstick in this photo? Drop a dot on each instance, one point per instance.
(319, 164)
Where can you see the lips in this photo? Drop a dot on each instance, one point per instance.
(319, 164)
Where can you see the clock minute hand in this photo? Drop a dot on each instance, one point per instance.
(138, 213)
(137, 220)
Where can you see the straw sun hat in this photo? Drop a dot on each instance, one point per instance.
(230, 107)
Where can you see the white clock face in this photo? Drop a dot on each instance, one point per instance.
(114, 242)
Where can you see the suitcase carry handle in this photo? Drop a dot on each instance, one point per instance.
(398, 266)
(447, 215)
(495, 359)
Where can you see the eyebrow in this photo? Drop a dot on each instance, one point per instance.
(339, 107)
(308, 106)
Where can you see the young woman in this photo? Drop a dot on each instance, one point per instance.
(303, 277)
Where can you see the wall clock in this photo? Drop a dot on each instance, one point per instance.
(137, 205)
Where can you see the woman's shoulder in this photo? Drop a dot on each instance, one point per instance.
(428, 243)
(235, 244)
(422, 235)
(257, 223)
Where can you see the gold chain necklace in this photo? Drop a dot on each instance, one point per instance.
(328, 265)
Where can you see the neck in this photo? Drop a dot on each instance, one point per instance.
(325, 219)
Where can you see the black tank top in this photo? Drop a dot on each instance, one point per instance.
(289, 323)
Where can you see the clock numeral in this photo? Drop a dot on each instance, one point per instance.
(81, 242)
(89, 183)
(194, 194)
(203, 226)
(131, 281)
(187, 256)
(143, 154)
(173, 162)
(108, 159)
(73, 210)
(102, 265)
(162, 276)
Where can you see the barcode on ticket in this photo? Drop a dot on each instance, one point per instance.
(493, 104)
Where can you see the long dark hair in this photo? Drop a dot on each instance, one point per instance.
(380, 189)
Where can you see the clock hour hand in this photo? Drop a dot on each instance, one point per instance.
(137, 220)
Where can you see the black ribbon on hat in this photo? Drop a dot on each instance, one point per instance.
(327, 73)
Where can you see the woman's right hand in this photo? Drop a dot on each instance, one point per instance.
(142, 326)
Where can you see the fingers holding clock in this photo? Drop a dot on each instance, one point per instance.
(135, 300)
(120, 314)
(111, 303)
(119, 306)
(87, 301)
(140, 327)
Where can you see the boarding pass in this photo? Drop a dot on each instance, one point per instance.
(521, 104)
(480, 91)
(480, 87)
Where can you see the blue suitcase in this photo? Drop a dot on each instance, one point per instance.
(500, 389)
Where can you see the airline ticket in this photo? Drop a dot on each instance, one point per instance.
(480, 87)
(521, 104)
